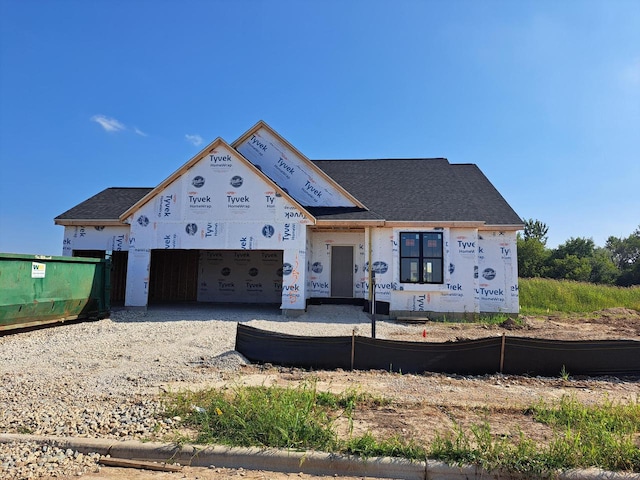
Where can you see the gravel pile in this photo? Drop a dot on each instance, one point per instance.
(102, 379)
(31, 460)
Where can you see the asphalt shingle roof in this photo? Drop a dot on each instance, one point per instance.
(425, 189)
(109, 204)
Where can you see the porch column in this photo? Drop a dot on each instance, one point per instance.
(294, 281)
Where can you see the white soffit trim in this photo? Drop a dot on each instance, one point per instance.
(448, 224)
(89, 222)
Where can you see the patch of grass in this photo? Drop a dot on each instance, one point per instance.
(604, 436)
(257, 416)
(479, 446)
(296, 418)
(543, 296)
(368, 446)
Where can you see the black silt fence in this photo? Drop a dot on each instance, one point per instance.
(468, 357)
(512, 355)
(292, 350)
(536, 356)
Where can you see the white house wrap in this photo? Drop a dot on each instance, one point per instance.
(258, 222)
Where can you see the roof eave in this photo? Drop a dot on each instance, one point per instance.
(417, 224)
(435, 224)
(81, 222)
(347, 222)
(506, 227)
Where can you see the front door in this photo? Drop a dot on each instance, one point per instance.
(342, 271)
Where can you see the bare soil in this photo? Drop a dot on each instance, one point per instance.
(423, 406)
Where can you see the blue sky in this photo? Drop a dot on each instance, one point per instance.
(544, 96)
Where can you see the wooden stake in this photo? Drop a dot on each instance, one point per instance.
(502, 353)
(353, 346)
(123, 462)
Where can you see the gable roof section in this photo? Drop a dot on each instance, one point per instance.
(219, 142)
(270, 152)
(418, 190)
(104, 208)
(397, 190)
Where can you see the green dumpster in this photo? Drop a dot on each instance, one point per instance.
(37, 289)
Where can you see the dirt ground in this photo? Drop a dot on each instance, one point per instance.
(423, 406)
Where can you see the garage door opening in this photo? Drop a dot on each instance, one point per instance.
(240, 276)
(173, 276)
(216, 276)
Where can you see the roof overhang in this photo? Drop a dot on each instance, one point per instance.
(503, 228)
(349, 223)
(88, 222)
(320, 223)
(433, 224)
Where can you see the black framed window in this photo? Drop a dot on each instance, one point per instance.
(421, 257)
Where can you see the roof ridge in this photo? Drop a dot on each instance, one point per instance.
(380, 159)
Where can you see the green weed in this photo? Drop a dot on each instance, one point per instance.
(592, 435)
(604, 436)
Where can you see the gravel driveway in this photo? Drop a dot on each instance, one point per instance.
(101, 378)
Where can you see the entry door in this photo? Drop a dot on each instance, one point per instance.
(342, 271)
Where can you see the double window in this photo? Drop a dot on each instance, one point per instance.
(421, 257)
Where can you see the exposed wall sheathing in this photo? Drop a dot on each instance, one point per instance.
(498, 272)
(480, 275)
(319, 277)
(112, 238)
(480, 271)
(246, 276)
(221, 203)
(291, 171)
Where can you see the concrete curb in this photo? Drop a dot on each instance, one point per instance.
(314, 463)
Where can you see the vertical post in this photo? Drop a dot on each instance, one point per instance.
(370, 262)
(373, 303)
(502, 353)
(353, 346)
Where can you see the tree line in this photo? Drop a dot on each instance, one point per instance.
(617, 263)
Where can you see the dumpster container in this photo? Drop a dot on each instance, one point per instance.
(37, 289)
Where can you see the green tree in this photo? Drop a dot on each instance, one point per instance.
(533, 257)
(535, 230)
(603, 270)
(572, 260)
(579, 247)
(570, 267)
(625, 253)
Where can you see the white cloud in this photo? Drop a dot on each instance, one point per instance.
(194, 139)
(139, 132)
(109, 124)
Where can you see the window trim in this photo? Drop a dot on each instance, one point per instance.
(421, 258)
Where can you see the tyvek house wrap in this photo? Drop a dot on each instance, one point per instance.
(480, 275)
(221, 203)
(290, 171)
(115, 239)
(498, 272)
